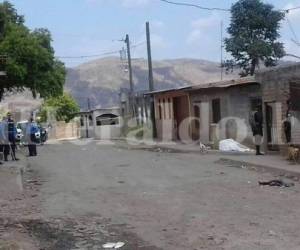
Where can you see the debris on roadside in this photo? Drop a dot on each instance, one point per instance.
(276, 183)
(230, 145)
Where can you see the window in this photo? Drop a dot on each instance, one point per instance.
(255, 102)
(107, 119)
(81, 121)
(216, 110)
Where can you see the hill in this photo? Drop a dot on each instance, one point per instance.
(101, 80)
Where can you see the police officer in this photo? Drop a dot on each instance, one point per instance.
(11, 139)
(31, 131)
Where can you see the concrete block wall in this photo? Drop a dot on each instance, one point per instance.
(276, 88)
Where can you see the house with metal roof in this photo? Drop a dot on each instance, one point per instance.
(207, 112)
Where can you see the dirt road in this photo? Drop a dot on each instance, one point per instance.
(91, 194)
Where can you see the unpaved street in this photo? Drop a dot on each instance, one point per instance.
(91, 194)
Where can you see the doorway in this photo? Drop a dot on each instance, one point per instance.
(271, 128)
(196, 123)
(181, 112)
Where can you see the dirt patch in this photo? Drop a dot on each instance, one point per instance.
(259, 169)
(86, 233)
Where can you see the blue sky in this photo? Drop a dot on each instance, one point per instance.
(88, 27)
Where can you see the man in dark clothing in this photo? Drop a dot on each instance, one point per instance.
(32, 130)
(257, 129)
(288, 128)
(11, 140)
(287, 124)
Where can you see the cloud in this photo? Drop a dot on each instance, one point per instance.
(201, 28)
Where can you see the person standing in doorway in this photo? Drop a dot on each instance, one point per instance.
(257, 129)
(287, 124)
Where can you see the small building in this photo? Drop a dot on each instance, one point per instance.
(102, 123)
(281, 96)
(207, 112)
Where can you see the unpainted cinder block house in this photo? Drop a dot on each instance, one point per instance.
(207, 112)
(281, 98)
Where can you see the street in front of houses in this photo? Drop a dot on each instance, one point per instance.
(84, 195)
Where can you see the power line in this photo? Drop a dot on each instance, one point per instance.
(215, 8)
(89, 56)
(193, 5)
(292, 30)
(292, 55)
(290, 9)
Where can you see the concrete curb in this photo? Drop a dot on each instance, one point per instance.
(290, 174)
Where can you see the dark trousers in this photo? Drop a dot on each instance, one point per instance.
(32, 150)
(7, 148)
(2, 150)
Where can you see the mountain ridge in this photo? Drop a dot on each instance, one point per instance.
(100, 80)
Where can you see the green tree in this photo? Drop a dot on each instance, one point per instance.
(64, 107)
(30, 62)
(254, 33)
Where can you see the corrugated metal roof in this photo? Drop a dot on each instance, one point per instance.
(168, 90)
(220, 84)
(226, 84)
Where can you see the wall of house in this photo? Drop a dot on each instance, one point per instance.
(64, 130)
(106, 132)
(164, 117)
(235, 112)
(276, 88)
(205, 97)
(239, 106)
(167, 127)
(86, 125)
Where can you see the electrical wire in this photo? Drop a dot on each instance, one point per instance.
(215, 8)
(292, 30)
(193, 5)
(99, 55)
(89, 56)
(291, 9)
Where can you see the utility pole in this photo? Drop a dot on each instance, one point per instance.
(89, 104)
(222, 50)
(151, 82)
(131, 94)
(151, 85)
(127, 41)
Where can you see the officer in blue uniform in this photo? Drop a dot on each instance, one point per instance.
(31, 131)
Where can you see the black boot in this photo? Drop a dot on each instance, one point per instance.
(258, 151)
